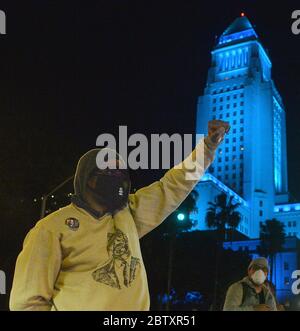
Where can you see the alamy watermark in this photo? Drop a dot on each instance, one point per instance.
(296, 283)
(158, 147)
(296, 24)
(2, 22)
(2, 282)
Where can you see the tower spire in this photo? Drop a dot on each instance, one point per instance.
(239, 30)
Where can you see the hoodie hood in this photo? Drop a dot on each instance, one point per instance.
(86, 165)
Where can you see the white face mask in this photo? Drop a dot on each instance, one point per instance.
(258, 277)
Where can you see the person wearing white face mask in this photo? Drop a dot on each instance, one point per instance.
(250, 293)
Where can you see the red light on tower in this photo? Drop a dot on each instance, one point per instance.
(242, 14)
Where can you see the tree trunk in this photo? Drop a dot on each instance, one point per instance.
(170, 268)
(219, 247)
(271, 268)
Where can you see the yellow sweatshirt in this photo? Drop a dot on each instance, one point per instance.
(74, 261)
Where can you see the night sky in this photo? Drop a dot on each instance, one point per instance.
(71, 70)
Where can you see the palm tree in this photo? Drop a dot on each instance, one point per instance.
(272, 238)
(221, 215)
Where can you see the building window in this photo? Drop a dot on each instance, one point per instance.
(260, 203)
(289, 224)
(226, 150)
(242, 95)
(226, 158)
(242, 103)
(234, 122)
(234, 96)
(221, 107)
(286, 281)
(234, 113)
(260, 213)
(234, 176)
(226, 167)
(228, 97)
(234, 105)
(241, 120)
(241, 138)
(234, 167)
(226, 141)
(242, 129)
(227, 115)
(234, 139)
(241, 156)
(219, 169)
(219, 159)
(286, 266)
(234, 130)
(227, 106)
(242, 111)
(214, 100)
(214, 117)
(221, 116)
(226, 176)
(294, 223)
(214, 108)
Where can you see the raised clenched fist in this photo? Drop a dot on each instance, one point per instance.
(216, 132)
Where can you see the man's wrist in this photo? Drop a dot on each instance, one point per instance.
(209, 151)
(210, 144)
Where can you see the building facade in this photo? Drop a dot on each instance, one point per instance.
(251, 163)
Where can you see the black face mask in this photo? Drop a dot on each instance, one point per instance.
(112, 187)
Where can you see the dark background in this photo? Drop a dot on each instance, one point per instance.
(71, 70)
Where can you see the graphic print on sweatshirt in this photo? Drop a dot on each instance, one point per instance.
(120, 259)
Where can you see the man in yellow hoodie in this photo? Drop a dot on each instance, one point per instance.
(86, 256)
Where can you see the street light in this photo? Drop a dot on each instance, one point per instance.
(46, 196)
(180, 217)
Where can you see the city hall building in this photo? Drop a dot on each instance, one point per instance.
(251, 163)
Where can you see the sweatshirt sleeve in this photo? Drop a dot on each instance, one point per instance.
(234, 297)
(152, 204)
(36, 271)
